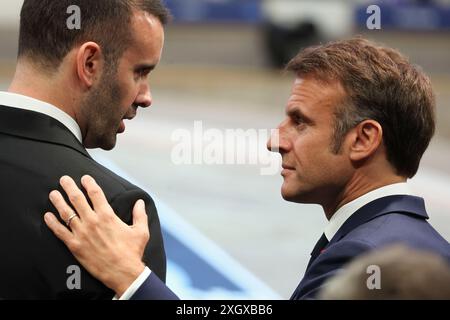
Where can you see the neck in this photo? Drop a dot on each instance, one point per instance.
(31, 81)
(358, 185)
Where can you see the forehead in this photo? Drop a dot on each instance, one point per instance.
(312, 97)
(148, 38)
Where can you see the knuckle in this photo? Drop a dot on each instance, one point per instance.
(94, 221)
(89, 226)
(84, 233)
(145, 235)
(93, 192)
(74, 246)
(102, 210)
(108, 217)
(67, 211)
(75, 197)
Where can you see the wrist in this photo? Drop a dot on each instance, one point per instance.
(121, 281)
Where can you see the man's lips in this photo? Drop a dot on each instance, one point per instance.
(121, 127)
(129, 117)
(122, 122)
(286, 169)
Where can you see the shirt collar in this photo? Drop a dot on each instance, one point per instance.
(27, 103)
(346, 211)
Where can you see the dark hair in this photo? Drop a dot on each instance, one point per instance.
(382, 85)
(46, 39)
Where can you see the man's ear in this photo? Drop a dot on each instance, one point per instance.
(367, 136)
(89, 61)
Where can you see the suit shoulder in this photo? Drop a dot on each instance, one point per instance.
(107, 174)
(399, 227)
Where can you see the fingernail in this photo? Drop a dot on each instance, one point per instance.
(63, 179)
(90, 179)
(52, 195)
(141, 204)
(48, 217)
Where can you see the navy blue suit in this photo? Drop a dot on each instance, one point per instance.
(387, 220)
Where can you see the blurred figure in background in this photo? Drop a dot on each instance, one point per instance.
(404, 273)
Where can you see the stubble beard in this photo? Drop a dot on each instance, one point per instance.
(102, 112)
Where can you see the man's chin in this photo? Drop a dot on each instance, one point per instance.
(294, 195)
(106, 144)
(108, 147)
(287, 195)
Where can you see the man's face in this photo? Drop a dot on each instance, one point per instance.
(120, 92)
(312, 172)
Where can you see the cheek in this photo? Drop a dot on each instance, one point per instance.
(313, 157)
(128, 93)
(307, 149)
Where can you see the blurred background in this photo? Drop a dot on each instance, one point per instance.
(228, 232)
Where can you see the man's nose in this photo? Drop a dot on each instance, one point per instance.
(272, 145)
(277, 141)
(144, 98)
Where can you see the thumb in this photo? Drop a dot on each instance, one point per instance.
(139, 215)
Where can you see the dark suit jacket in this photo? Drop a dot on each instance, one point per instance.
(385, 221)
(36, 150)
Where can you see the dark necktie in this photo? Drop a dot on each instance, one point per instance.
(318, 248)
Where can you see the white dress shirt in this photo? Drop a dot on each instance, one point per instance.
(346, 211)
(19, 101)
(135, 285)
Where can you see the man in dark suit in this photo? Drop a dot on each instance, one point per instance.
(358, 121)
(73, 89)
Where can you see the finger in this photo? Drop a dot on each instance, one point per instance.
(76, 197)
(140, 219)
(58, 229)
(96, 195)
(64, 210)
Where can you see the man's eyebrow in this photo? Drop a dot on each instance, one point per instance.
(295, 113)
(144, 66)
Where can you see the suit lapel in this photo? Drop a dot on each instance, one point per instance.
(39, 127)
(391, 204)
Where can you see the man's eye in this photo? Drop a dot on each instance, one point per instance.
(143, 73)
(298, 120)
